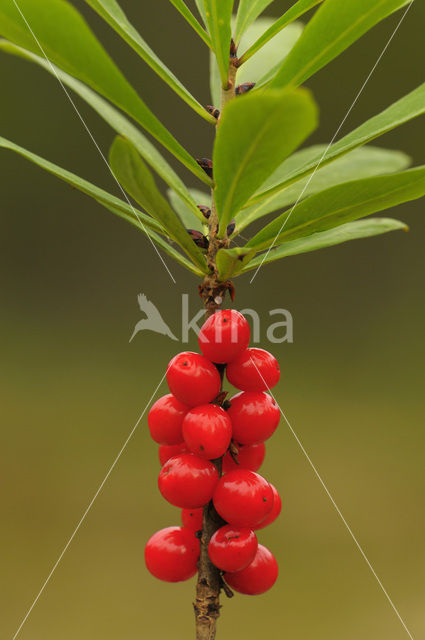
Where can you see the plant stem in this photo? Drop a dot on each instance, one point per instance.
(210, 583)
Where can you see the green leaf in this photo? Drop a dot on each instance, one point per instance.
(121, 208)
(201, 8)
(135, 177)
(115, 119)
(275, 51)
(112, 13)
(340, 204)
(360, 163)
(410, 106)
(67, 41)
(338, 235)
(257, 67)
(190, 18)
(334, 27)
(256, 133)
(219, 15)
(167, 247)
(248, 11)
(296, 11)
(229, 262)
(189, 219)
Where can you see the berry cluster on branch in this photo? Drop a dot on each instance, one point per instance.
(210, 451)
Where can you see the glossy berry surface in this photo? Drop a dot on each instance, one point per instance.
(257, 577)
(275, 512)
(254, 370)
(224, 336)
(193, 379)
(207, 431)
(232, 548)
(171, 554)
(192, 518)
(165, 420)
(254, 415)
(243, 498)
(167, 451)
(187, 481)
(249, 456)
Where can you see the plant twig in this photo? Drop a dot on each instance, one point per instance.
(212, 291)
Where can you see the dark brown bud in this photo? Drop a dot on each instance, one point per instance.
(206, 211)
(213, 111)
(244, 88)
(233, 49)
(206, 165)
(198, 238)
(231, 227)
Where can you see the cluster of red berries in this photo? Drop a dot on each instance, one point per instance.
(202, 435)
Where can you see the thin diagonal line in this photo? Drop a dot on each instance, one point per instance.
(356, 99)
(338, 510)
(92, 138)
(91, 503)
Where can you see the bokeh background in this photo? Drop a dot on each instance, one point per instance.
(72, 386)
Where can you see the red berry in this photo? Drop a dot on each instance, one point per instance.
(187, 481)
(171, 554)
(275, 512)
(193, 379)
(224, 336)
(257, 577)
(165, 420)
(192, 518)
(167, 451)
(232, 548)
(254, 415)
(249, 456)
(207, 431)
(243, 498)
(254, 370)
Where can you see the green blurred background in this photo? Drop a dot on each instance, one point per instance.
(72, 386)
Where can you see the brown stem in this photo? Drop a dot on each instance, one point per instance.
(210, 583)
(212, 291)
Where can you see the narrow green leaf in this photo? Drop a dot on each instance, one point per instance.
(219, 15)
(121, 208)
(248, 12)
(410, 106)
(189, 219)
(67, 41)
(274, 52)
(334, 27)
(190, 18)
(230, 261)
(340, 204)
(344, 233)
(112, 13)
(296, 11)
(256, 133)
(135, 177)
(257, 67)
(115, 119)
(360, 163)
(164, 244)
(201, 8)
